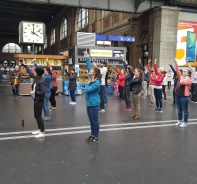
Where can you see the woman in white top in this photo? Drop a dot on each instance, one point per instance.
(164, 83)
(169, 78)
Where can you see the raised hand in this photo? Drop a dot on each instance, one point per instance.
(156, 61)
(149, 60)
(85, 53)
(140, 61)
(175, 60)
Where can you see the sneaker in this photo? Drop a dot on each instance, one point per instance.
(136, 117)
(54, 108)
(160, 110)
(133, 116)
(156, 110)
(182, 125)
(70, 102)
(73, 103)
(93, 140)
(102, 110)
(128, 109)
(164, 99)
(89, 138)
(121, 101)
(40, 135)
(36, 132)
(125, 108)
(178, 123)
(46, 119)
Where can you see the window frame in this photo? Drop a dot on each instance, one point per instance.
(53, 36)
(82, 21)
(64, 29)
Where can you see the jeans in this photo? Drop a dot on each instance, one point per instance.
(105, 95)
(127, 96)
(121, 91)
(15, 90)
(72, 95)
(52, 97)
(158, 97)
(182, 107)
(38, 114)
(46, 105)
(92, 112)
(194, 92)
(102, 89)
(144, 87)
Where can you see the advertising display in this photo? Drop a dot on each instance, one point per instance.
(186, 43)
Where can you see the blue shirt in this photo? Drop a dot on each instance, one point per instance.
(48, 79)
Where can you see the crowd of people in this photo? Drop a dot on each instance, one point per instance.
(132, 84)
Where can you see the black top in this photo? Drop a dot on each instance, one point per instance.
(136, 85)
(72, 86)
(179, 91)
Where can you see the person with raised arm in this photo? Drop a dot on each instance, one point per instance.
(158, 86)
(182, 95)
(92, 90)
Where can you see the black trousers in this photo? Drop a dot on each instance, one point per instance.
(15, 90)
(164, 91)
(169, 84)
(121, 91)
(127, 96)
(194, 92)
(102, 104)
(38, 114)
(52, 97)
(72, 95)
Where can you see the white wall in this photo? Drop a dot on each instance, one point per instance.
(187, 16)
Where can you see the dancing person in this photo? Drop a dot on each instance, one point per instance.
(151, 84)
(38, 93)
(182, 95)
(158, 86)
(146, 79)
(106, 87)
(121, 83)
(194, 83)
(136, 88)
(164, 83)
(92, 90)
(72, 85)
(169, 78)
(128, 80)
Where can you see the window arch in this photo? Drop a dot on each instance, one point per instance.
(11, 48)
(53, 36)
(63, 29)
(82, 18)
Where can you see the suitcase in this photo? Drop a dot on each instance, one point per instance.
(110, 90)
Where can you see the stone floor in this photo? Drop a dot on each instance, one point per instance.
(148, 151)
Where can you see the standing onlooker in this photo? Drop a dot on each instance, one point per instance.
(182, 95)
(151, 84)
(169, 78)
(158, 86)
(72, 86)
(53, 90)
(121, 83)
(164, 83)
(15, 80)
(103, 71)
(146, 79)
(106, 87)
(194, 83)
(136, 88)
(92, 89)
(38, 93)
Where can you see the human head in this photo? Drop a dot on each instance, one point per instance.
(72, 70)
(102, 63)
(17, 68)
(186, 73)
(160, 70)
(122, 71)
(145, 67)
(139, 73)
(47, 70)
(95, 72)
(39, 71)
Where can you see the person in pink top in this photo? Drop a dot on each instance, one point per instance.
(158, 86)
(151, 83)
(121, 80)
(182, 95)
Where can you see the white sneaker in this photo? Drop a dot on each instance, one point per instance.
(178, 123)
(183, 125)
(40, 135)
(70, 102)
(73, 103)
(102, 110)
(36, 132)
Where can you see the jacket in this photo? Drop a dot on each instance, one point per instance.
(175, 75)
(92, 89)
(152, 76)
(183, 81)
(121, 77)
(72, 86)
(54, 79)
(129, 77)
(159, 77)
(13, 76)
(136, 85)
(40, 89)
(146, 73)
(194, 74)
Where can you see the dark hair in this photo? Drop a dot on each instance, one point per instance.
(48, 70)
(73, 69)
(165, 72)
(181, 71)
(141, 74)
(37, 78)
(98, 73)
(189, 72)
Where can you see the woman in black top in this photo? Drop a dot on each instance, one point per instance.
(72, 86)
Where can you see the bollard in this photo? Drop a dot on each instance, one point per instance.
(22, 122)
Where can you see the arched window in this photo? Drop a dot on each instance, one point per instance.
(63, 29)
(11, 48)
(53, 36)
(82, 18)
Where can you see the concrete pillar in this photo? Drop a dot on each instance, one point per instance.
(165, 34)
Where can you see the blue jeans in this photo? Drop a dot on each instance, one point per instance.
(92, 112)
(72, 95)
(46, 105)
(182, 106)
(158, 97)
(105, 95)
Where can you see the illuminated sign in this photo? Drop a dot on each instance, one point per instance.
(100, 53)
(122, 38)
(42, 62)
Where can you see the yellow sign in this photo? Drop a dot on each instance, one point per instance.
(101, 53)
(42, 62)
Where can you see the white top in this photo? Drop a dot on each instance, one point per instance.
(169, 76)
(165, 82)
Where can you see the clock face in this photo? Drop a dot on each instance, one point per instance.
(33, 32)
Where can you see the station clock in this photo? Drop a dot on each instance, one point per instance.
(32, 32)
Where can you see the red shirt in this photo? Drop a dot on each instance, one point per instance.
(159, 77)
(121, 77)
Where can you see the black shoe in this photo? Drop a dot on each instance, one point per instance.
(89, 138)
(94, 140)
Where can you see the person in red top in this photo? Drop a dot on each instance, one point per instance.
(121, 80)
(151, 83)
(182, 95)
(158, 86)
